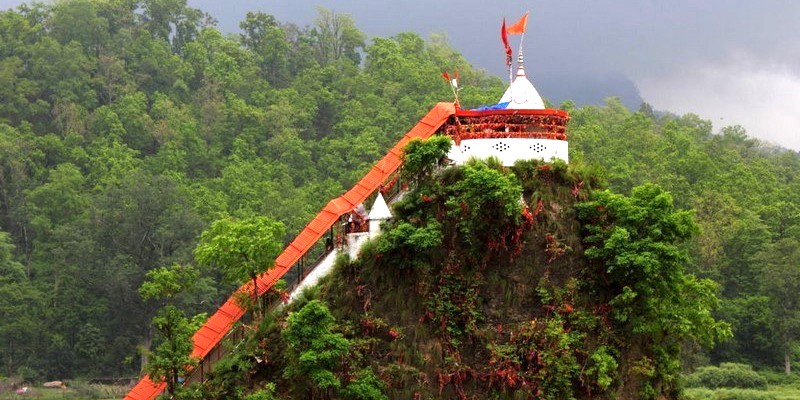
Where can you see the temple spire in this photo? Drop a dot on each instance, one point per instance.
(520, 57)
(520, 61)
(520, 93)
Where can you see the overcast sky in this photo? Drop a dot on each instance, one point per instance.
(730, 61)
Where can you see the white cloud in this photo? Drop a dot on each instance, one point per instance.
(762, 97)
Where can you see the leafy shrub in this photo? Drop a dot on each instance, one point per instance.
(267, 393)
(484, 205)
(27, 374)
(727, 375)
(541, 356)
(366, 386)
(727, 394)
(603, 366)
(422, 157)
(406, 242)
(313, 349)
(780, 377)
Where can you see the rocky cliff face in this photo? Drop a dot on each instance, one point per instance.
(492, 282)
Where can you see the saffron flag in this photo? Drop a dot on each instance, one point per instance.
(519, 27)
(504, 36)
(452, 79)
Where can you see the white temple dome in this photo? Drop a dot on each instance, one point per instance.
(521, 95)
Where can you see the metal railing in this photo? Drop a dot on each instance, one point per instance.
(293, 278)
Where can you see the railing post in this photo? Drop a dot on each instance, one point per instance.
(302, 269)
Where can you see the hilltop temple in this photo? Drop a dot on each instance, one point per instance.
(519, 127)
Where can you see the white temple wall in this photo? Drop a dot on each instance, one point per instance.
(354, 243)
(509, 150)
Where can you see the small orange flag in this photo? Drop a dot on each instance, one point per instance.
(519, 27)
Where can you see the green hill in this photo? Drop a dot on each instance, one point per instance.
(471, 294)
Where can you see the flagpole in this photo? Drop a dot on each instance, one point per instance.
(507, 50)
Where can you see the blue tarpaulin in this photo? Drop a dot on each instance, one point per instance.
(498, 106)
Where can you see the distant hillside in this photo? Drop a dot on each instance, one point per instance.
(588, 90)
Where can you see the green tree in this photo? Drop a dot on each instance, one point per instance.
(169, 360)
(16, 90)
(336, 37)
(20, 303)
(20, 169)
(241, 249)
(78, 20)
(64, 74)
(264, 36)
(139, 221)
(172, 19)
(57, 201)
(314, 350)
(153, 65)
(420, 159)
(639, 268)
(636, 242)
(752, 323)
(167, 283)
(780, 280)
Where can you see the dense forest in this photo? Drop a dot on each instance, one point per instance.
(128, 126)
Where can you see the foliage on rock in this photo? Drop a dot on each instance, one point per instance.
(461, 255)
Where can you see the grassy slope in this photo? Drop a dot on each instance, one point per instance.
(777, 392)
